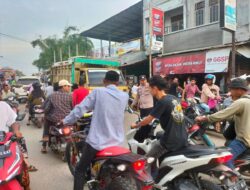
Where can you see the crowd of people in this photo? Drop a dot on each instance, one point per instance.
(154, 98)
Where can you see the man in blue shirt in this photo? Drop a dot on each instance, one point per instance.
(107, 125)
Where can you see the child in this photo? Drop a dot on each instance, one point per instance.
(212, 103)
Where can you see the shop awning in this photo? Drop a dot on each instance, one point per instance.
(122, 27)
(244, 50)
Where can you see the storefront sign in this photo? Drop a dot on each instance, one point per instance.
(190, 63)
(228, 15)
(217, 61)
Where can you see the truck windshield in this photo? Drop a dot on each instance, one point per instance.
(96, 77)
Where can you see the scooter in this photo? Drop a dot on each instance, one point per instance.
(11, 163)
(38, 116)
(183, 168)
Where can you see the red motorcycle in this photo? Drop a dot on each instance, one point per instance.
(11, 164)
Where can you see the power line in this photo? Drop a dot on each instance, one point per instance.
(14, 37)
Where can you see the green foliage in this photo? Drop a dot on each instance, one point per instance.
(63, 47)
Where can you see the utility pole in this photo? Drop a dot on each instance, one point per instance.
(69, 51)
(61, 54)
(150, 39)
(77, 50)
(54, 52)
(233, 66)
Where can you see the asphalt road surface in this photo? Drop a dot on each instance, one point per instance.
(53, 173)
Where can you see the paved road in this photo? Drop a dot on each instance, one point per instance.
(53, 173)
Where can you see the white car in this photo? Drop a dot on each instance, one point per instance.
(23, 85)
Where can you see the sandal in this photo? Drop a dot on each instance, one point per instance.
(32, 168)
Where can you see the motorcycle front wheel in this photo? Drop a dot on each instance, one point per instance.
(72, 157)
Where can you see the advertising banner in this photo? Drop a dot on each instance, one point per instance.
(228, 15)
(217, 61)
(157, 19)
(190, 63)
(132, 46)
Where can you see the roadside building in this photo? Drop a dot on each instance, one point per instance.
(195, 44)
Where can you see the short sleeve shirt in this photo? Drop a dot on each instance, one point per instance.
(169, 112)
(7, 118)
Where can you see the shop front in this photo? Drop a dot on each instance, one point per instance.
(195, 64)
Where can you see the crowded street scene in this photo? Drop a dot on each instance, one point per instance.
(125, 95)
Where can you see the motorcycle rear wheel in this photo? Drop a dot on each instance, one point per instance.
(208, 185)
(122, 183)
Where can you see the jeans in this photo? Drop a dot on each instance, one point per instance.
(156, 152)
(205, 107)
(88, 154)
(237, 148)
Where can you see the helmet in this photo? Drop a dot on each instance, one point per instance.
(36, 84)
(1, 75)
(209, 76)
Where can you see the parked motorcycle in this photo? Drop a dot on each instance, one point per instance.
(12, 164)
(184, 168)
(37, 117)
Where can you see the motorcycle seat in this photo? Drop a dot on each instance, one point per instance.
(112, 151)
(194, 151)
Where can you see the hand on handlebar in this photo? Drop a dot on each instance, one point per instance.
(134, 126)
(18, 134)
(200, 119)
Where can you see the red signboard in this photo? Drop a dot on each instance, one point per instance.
(157, 22)
(190, 63)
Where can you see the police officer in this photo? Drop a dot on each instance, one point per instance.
(144, 101)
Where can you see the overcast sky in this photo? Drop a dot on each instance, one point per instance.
(27, 19)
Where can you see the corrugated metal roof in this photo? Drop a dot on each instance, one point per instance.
(124, 26)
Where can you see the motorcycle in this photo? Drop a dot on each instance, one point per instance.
(113, 168)
(58, 137)
(192, 109)
(184, 168)
(12, 164)
(118, 168)
(37, 116)
(15, 107)
(76, 142)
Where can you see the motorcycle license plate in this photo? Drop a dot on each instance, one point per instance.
(241, 185)
(5, 154)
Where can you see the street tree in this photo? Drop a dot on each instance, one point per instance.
(59, 49)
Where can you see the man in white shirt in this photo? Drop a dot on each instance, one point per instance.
(8, 118)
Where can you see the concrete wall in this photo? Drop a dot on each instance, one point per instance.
(192, 37)
(203, 36)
